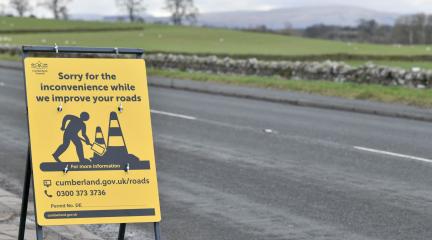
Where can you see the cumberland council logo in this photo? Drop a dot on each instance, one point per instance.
(39, 68)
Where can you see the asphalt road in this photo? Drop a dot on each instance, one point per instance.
(232, 168)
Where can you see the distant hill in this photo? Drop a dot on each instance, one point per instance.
(86, 17)
(109, 18)
(300, 17)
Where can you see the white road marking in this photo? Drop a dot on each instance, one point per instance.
(393, 154)
(174, 115)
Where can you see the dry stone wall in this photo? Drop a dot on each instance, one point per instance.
(307, 70)
(326, 70)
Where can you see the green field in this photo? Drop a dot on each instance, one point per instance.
(218, 41)
(192, 40)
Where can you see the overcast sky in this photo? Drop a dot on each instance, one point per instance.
(155, 7)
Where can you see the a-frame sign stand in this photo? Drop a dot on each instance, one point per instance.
(26, 50)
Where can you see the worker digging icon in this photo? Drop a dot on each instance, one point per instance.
(114, 152)
(72, 125)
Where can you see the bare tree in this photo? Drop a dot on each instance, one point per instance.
(64, 14)
(20, 6)
(429, 29)
(182, 10)
(57, 7)
(133, 8)
(403, 32)
(367, 29)
(413, 29)
(420, 22)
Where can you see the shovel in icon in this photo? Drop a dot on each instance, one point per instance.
(97, 148)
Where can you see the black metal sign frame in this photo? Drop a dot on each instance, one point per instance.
(26, 50)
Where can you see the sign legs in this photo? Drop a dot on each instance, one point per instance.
(39, 232)
(122, 231)
(157, 231)
(25, 197)
(25, 200)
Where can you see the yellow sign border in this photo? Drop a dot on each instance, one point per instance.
(41, 220)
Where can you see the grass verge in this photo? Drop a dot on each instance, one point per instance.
(388, 94)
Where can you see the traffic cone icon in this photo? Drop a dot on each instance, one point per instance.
(99, 139)
(116, 148)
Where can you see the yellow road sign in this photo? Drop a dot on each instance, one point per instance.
(91, 141)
